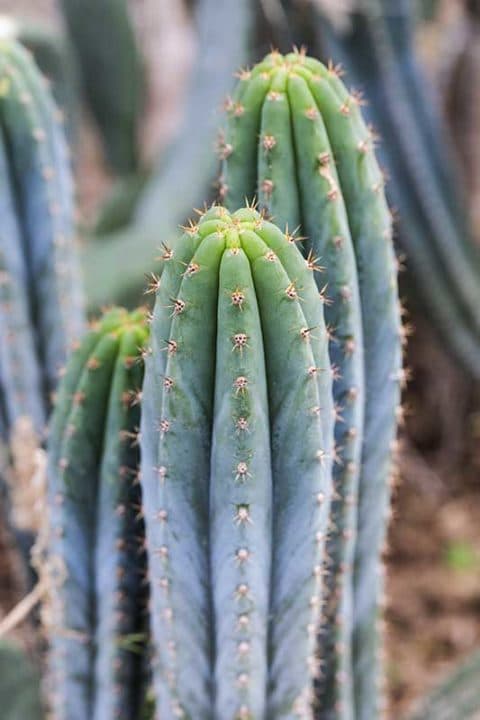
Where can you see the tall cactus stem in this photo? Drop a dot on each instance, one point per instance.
(310, 161)
(94, 503)
(260, 381)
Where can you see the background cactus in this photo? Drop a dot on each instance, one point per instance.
(19, 685)
(377, 51)
(111, 69)
(457, 697)
(458, 75)
(224, 36)
(295, 138)
(41, 311)
(235, 472)
(96, 553)
(53, 56)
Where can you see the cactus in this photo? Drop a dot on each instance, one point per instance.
(111, 70)
(237, 423)
(19, 685)
(41, 304)
(377, 51)
(459, 72)
(457, 697)
(95, 521)
(289, 119)
(223, 36)
(53, 56)
(118, 210)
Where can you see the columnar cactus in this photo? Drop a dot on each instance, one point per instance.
(377, 50)
(96, 553)
(53, 56)
(456, 698)
(112, 73)
(296, 140)
(237, 429)
(224, 30)
(41, 305)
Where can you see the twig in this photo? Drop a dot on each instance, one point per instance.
(18, 614)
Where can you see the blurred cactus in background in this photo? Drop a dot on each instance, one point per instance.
(457, 698)
(111, 69)
(183, 177)
(19, 685)
(95, 564)
(41, 312)
(41, 300)
(375, 47)
(460, 87)
(53, 56)
(295, 139)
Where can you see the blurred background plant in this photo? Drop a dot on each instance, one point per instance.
(142, 111)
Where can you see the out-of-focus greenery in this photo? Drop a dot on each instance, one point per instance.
(19, 685)
(461, 555)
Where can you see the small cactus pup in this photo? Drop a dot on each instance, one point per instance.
(237, 426)
(296, 140)
(96, 552)
(41, 309)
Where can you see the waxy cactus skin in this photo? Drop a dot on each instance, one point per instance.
(378, 52)
(96, 553)
(295, 139)
(237, 415)
(41, 312)
(112, 74)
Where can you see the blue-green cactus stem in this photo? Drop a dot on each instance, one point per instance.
(119, 551)
(112, 74)
(98, 595)
(53, 56)
(176, 430)
(311, 165)
(370, 223)
(239, 365)
(42, 186)
(23, 393)
(442, 257)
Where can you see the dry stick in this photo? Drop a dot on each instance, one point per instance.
(18, 614)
